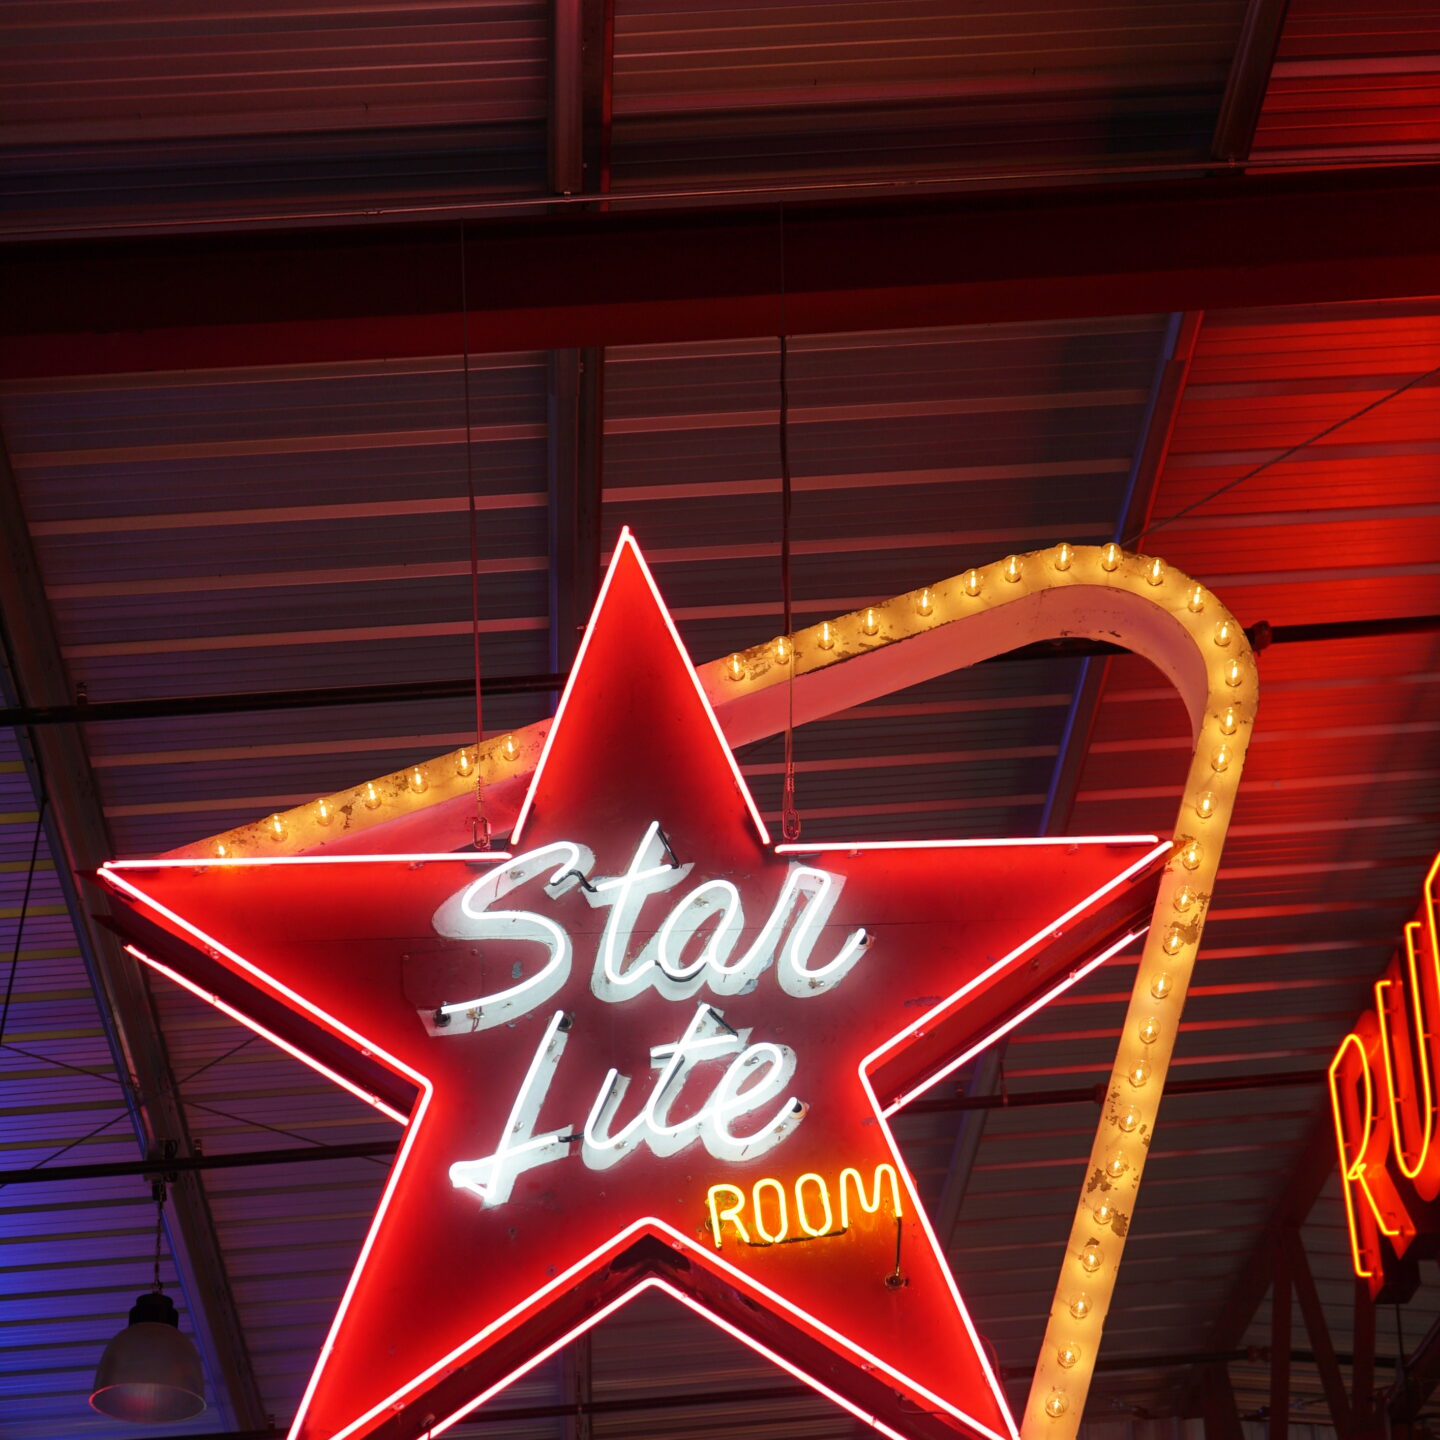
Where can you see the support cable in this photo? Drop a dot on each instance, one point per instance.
(789, 817)
(481, 828)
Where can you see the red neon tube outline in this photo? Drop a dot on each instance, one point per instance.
(110, 874)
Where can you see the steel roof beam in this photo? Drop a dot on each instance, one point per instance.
(80, 841)
(1249, 79)
(582, 279)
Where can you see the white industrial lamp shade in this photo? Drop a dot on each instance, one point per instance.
(150, 1372)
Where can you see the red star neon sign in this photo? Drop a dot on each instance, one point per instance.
(644, 1049)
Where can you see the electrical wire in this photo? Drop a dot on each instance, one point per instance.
(789, 817)
(24, 911)
(1229, 485)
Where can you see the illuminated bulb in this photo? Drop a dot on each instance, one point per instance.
(1155, 571)
(1110, 557)
(1195, 601)
(1174, 941)
(417, 780)
(1137, 1075)
(510, 749)
(1184, 899)
(1013, 566)
(1128, 1119)
(1056, 1405)
(372, 795)
(924, 602)
(973, 581)
(1161, 986)
(1205, 804)
(1234, 674)
(277, 828)
(782, 651)
(1191, 854)
(1220, 760)
(826, 639)
(1067, 1355)
(1080, 1306)
(463, 763)
(323, 813)
(220, 851)
(1104, 1213)
(1229, 719)
(1149, 1031)
(1064, 555)
(1116, 1166)
(871, 623)
(1224, 633)
(1092, 1256)
(735, 668)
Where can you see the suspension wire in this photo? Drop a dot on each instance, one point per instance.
(24, 910)
(480, 831)
(789, 817)
(1319, 435)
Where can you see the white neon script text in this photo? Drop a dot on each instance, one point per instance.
(757, 1074)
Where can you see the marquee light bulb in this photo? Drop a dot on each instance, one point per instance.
(924, 602)
(1220, 760)
(1205, 803)
(782, 650)
(1224, 632)
(221, 851)
(277, 827)
(417, 780)
(1014, 567)
(1155, 571)
(1195, 601)
(1229, 719)
(826, 639)
(973, 581)
(510, 749)
(1068, 1355)
(1149, 1031)
(1161, 986)
(1110, 557)
(735, 667)
(1056, 1404)
(1174, 941)
(1116, 1165)
(1080, 1306)
(1092, 1256)
(1138, 1074)
(1064, 555)
(1184, 899)
(1128, 1119)
(871, 623)
(463, 763)
(1104, 1213)
(323, 813)
(1234, 673)
(372, 796)
(1191, 852)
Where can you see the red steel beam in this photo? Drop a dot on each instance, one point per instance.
(625, 277)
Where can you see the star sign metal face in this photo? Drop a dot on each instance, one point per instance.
(644, 1049)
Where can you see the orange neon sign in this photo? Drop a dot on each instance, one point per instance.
(777, 1218)
(1383, 1084)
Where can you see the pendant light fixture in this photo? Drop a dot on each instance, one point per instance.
(150, 1373)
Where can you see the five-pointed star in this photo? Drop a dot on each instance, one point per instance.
(501, 1047)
